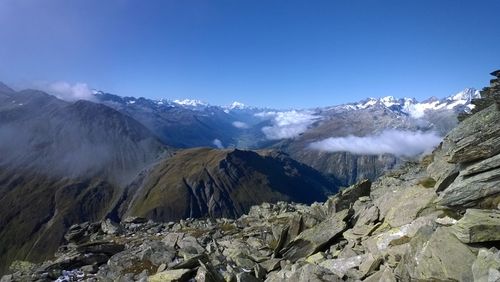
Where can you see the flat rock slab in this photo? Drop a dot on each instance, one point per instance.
(177, 275)
(313, 239)
(437, 256)
(478, 226)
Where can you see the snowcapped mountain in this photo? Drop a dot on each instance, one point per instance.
(410, 106)
(191, 123)
(191, 103)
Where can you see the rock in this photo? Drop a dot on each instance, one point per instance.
(246, 277)
(304, 272)
(271, 264)
(190, 242)
(446, 221)
(405, 205)
(467, 191)
(135, 219)
(171, 239)
(316, 258)
(487, 265)
(207, 273)
(380, 243)
(111, 228)
(191, 262)
(346, 198)
(383, 275)
(161, 267)
(76, 232)
(478, 226)
(312, 240)
(103, 247)
(341, 266)
(176, 275)
(475, 138)
(370, 264)
(436, 255)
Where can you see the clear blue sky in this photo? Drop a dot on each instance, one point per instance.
(265, 53)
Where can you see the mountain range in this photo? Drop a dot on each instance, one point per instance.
(435, 218)
(67, 162)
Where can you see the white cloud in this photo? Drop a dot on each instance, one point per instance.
(217, 143)
(240, 124)
(67, 91)
(287, 124)
(396, 142)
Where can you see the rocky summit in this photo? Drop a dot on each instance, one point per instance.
(433, 220)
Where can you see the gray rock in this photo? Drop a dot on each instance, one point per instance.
(341, 266)
(478, 226)
(207, 273)
(271, 264)
(437, 255)
(191, 262)
(172, 238)
(370, 264)
(110, 227)
(312, 240)
(487, 265)
(246, 277)
(104, 247)
(405, 204)
(475, 138)
(177, 275)
(467, 191)
(383, 275)
(346, 198)
(303, 272)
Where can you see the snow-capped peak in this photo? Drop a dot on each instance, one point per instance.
(190, 102)
(416, 109)
(236, 105)
(389, 101)
(467, 94)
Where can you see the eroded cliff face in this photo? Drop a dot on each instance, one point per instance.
(435, 220)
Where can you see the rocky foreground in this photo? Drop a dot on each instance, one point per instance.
(436, 220)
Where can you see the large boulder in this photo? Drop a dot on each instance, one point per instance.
(475, 138)
(478, 226)
(436, 255)
(314, 239)
(346, 198)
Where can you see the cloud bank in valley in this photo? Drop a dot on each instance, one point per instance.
(287, 124)
(217, 143)
(67, 91)
(395, 142)
(240, 124)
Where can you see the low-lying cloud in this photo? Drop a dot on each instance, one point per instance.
(395, 142)
(240, 124)
(69, 92)
(288, 124)
(217, 143)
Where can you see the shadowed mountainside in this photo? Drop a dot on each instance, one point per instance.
(204, 182)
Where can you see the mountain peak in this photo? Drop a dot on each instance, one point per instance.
(5, 89)
(237, 105)
(190, 102)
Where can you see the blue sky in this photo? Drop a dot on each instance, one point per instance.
(265, 53)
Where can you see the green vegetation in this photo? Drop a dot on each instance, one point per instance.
(427, 182)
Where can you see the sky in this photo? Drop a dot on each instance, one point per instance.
(273, 53)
